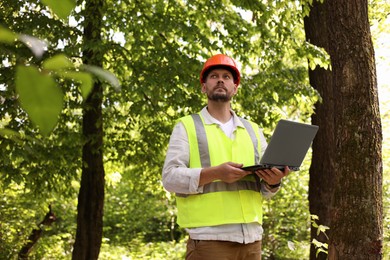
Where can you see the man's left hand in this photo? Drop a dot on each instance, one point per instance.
(272, 176)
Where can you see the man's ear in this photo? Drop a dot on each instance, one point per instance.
(203, 88)
(235, 88)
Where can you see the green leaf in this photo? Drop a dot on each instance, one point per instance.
(57, 62)
(84, 78)
(275, 96)
(104, 75)
(317, 243)
(7, 36)
(320, 250)
(323, 228)
(36, 45)
(39, 96)
(61, 8)
(314, 217)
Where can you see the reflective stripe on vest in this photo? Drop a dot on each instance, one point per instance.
(205, 160)
(252, 134)
(204, 147)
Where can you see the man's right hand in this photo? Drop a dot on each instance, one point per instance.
(228, 172)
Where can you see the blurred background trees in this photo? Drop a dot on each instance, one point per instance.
(156, 50)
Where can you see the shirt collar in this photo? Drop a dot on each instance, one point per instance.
(208, 119)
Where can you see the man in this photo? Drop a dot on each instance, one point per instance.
(219, 204)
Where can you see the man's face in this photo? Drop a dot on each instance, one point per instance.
(219, 85)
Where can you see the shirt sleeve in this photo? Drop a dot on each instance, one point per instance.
(266, 192)
(176, 175)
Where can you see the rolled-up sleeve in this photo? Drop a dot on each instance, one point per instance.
(176, 175)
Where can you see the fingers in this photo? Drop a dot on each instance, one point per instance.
(273, 175)
(236, 165)
(232, 172)
(267, 174)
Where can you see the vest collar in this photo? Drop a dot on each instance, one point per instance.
(209, 120)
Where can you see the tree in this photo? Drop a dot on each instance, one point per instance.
(91, 195)
(346, 173)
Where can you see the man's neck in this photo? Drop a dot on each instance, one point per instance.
(219, 110)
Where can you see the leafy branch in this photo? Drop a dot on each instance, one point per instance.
(320, 247)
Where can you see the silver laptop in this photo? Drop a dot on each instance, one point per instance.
(288, 146)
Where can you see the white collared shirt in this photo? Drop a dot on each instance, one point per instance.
(178, 178)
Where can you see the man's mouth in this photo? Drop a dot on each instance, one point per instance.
(220, 87)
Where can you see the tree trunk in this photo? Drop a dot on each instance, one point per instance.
(91, 194)
(345, 188)
(322, 168)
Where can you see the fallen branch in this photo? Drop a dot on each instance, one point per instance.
(36, 234)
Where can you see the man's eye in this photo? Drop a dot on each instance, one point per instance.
(227, 77)
(213, 76)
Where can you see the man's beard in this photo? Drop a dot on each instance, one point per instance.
(221, 97)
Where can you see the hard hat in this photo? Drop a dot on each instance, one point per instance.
(220, 60)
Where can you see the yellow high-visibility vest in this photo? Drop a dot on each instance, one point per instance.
(221, 203)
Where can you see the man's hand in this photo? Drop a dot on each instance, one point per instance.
(272, 176)
(228, 172)
(232, 172)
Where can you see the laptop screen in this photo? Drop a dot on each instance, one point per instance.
(288, 145)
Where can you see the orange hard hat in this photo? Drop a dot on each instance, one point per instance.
(223, 61)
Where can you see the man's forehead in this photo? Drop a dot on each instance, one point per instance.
(220, 70)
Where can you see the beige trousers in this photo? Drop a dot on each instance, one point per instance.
(222, 250)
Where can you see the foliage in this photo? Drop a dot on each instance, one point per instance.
(319, 246)
(379, 21)
(29, 157)
(36, 87)
(138, 249)
(153, 43)
(287, 219)
(385, 114)
(13, 204)
(19, 215)
(126, 217)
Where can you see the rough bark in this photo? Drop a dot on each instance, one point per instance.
(91, 194)
(345, 188)
(321, 170)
